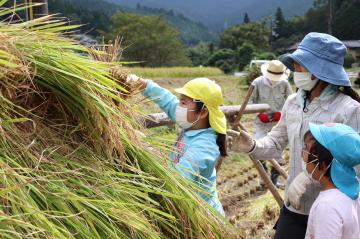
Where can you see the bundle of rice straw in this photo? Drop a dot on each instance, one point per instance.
(71, 165)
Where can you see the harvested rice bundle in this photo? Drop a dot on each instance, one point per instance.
(71, 166)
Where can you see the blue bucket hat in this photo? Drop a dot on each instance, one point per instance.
(344, 145)
(323, 56)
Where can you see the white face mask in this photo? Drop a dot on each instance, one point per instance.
(310, 175)
(181, 117)
(303, 80)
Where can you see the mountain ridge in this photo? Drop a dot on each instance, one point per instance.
(217, 15)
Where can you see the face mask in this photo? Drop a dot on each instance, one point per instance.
(181, 117)
(310, 175)
(303, 80)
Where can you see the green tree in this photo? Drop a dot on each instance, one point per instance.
(255, 33)
(244, 55)
(280, 24)
(149, 40)
(200, 53)
(246, 18)
(224, 59)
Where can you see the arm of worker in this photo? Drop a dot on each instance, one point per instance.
(163, 97)
(269, 147)
(352, 119)
(272, 145)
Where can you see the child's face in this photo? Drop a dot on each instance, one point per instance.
(312, 164)
(188, 103)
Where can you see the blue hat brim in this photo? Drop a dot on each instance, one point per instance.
(287, 61)
(322, 69)
(345, 179)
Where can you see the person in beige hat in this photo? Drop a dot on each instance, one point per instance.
(271, 88)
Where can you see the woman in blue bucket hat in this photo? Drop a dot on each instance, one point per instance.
(330, 153)
(324, 95)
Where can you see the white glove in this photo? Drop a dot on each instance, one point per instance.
(240, 142)
(296, 190)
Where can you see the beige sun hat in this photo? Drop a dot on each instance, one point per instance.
(275, 70)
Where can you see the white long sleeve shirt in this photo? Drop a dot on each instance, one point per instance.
(331, 106)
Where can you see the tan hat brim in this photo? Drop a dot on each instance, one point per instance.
(273, 77)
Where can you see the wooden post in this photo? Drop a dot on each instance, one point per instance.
(243, 105)
(38, 8)
(265, 177)
(278, 168)
(230, 111)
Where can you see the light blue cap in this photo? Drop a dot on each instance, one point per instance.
(344, 145)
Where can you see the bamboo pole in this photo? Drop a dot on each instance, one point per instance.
(237, 126)
(278, 168)
(161, 119)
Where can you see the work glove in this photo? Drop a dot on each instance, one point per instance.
(297, 189)
(276, 117)
(263, 118)
(240, 142)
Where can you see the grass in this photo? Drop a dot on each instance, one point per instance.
(175, 72)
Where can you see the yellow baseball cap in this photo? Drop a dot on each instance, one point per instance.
(208, 92)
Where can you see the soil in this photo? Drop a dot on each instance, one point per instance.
(248, 205)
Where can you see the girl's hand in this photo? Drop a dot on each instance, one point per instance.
(135, 83)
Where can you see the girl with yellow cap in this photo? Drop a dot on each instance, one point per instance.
(202, 138)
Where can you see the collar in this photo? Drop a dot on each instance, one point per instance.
(267, 82)
(195, 132)
(326, 97)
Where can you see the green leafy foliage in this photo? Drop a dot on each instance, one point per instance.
(254, 32)
(225, 59)
(200, 53)
(348, 60)
(244, 54)
(149, 40)
(252, 73)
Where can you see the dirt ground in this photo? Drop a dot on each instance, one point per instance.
(247, 205)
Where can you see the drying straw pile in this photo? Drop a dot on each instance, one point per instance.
(70, 163)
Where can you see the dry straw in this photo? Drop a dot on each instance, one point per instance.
(70, 164)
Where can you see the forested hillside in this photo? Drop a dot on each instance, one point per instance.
(95, 14)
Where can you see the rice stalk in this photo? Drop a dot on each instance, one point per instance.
(71, 165)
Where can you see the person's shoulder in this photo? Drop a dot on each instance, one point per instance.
(258, 80)
(333, 200)
(202, 138)
(348, 100)
(291, 99)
